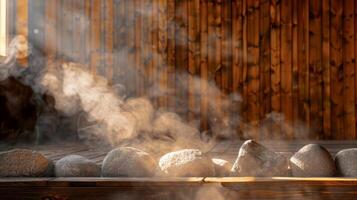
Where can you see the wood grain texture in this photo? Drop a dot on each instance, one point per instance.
(295, 58)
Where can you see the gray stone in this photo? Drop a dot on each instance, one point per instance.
(128, 162)
(76, 166)
(256, 160)
(24, 163)
(312, 160)
(185, 163)
(346, 162)
(222, 167)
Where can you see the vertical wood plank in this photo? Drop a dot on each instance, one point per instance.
(237, 54)
(193, 58)
(217, 60)
(95, 36)
(275, 62)
(349, 69)
(181, 60)
(355, 43)
(36, 37)
(337, 127)
(303, 60)
(148, 70)
(227, 60)
(119, 42)
(139, 47)
(226, 47)
(50, 30)
(237, 42)
(315, 68)
(212, 64)
(162, 51)
(77, 30)
(286, 64)
(11, 10)
(264, 63)
(22, 22)
(171, 59)
(155, 48)
(109, 33)
(204, 63)
(295, 66)
(326, 69)
(130, 29)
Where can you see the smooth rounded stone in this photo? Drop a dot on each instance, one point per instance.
(128, 162)
(185, 163)
(24, 163)
(312, 160)
(346, 162)
(76, 166)
(256, 160)
(221, 167)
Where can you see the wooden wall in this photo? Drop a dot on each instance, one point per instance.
(295, 57)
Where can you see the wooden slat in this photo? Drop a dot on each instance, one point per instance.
(181, 56)
(138, 45)
(22, 22)
(315, 68)
(50, 29)
(95, 35)
(337, 127)
(119, 42)
(286, 65)
(349, 69)
(326, 69)
(204, 63)
(163, 54)
(146, 38)
(108, 28)
(275, 63)
(171, 34)
(130, 37)
(253, 64)
(193, 58)
(216, 59)
(264, 63)
(155, 52)
(295, 66)
(303, 61)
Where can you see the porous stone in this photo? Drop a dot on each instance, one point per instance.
(312, 160)
(222, 167)
(256, 160)
(128, 162)
(24, 163)
(185, 163)
(76, 166)
(346, 162)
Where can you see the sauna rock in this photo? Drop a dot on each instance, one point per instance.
(312, 160)
(128, 162)
(222, 167)
(185, 163)
(256, 160)
(346, 162)
(76, 166)
(24, 163)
